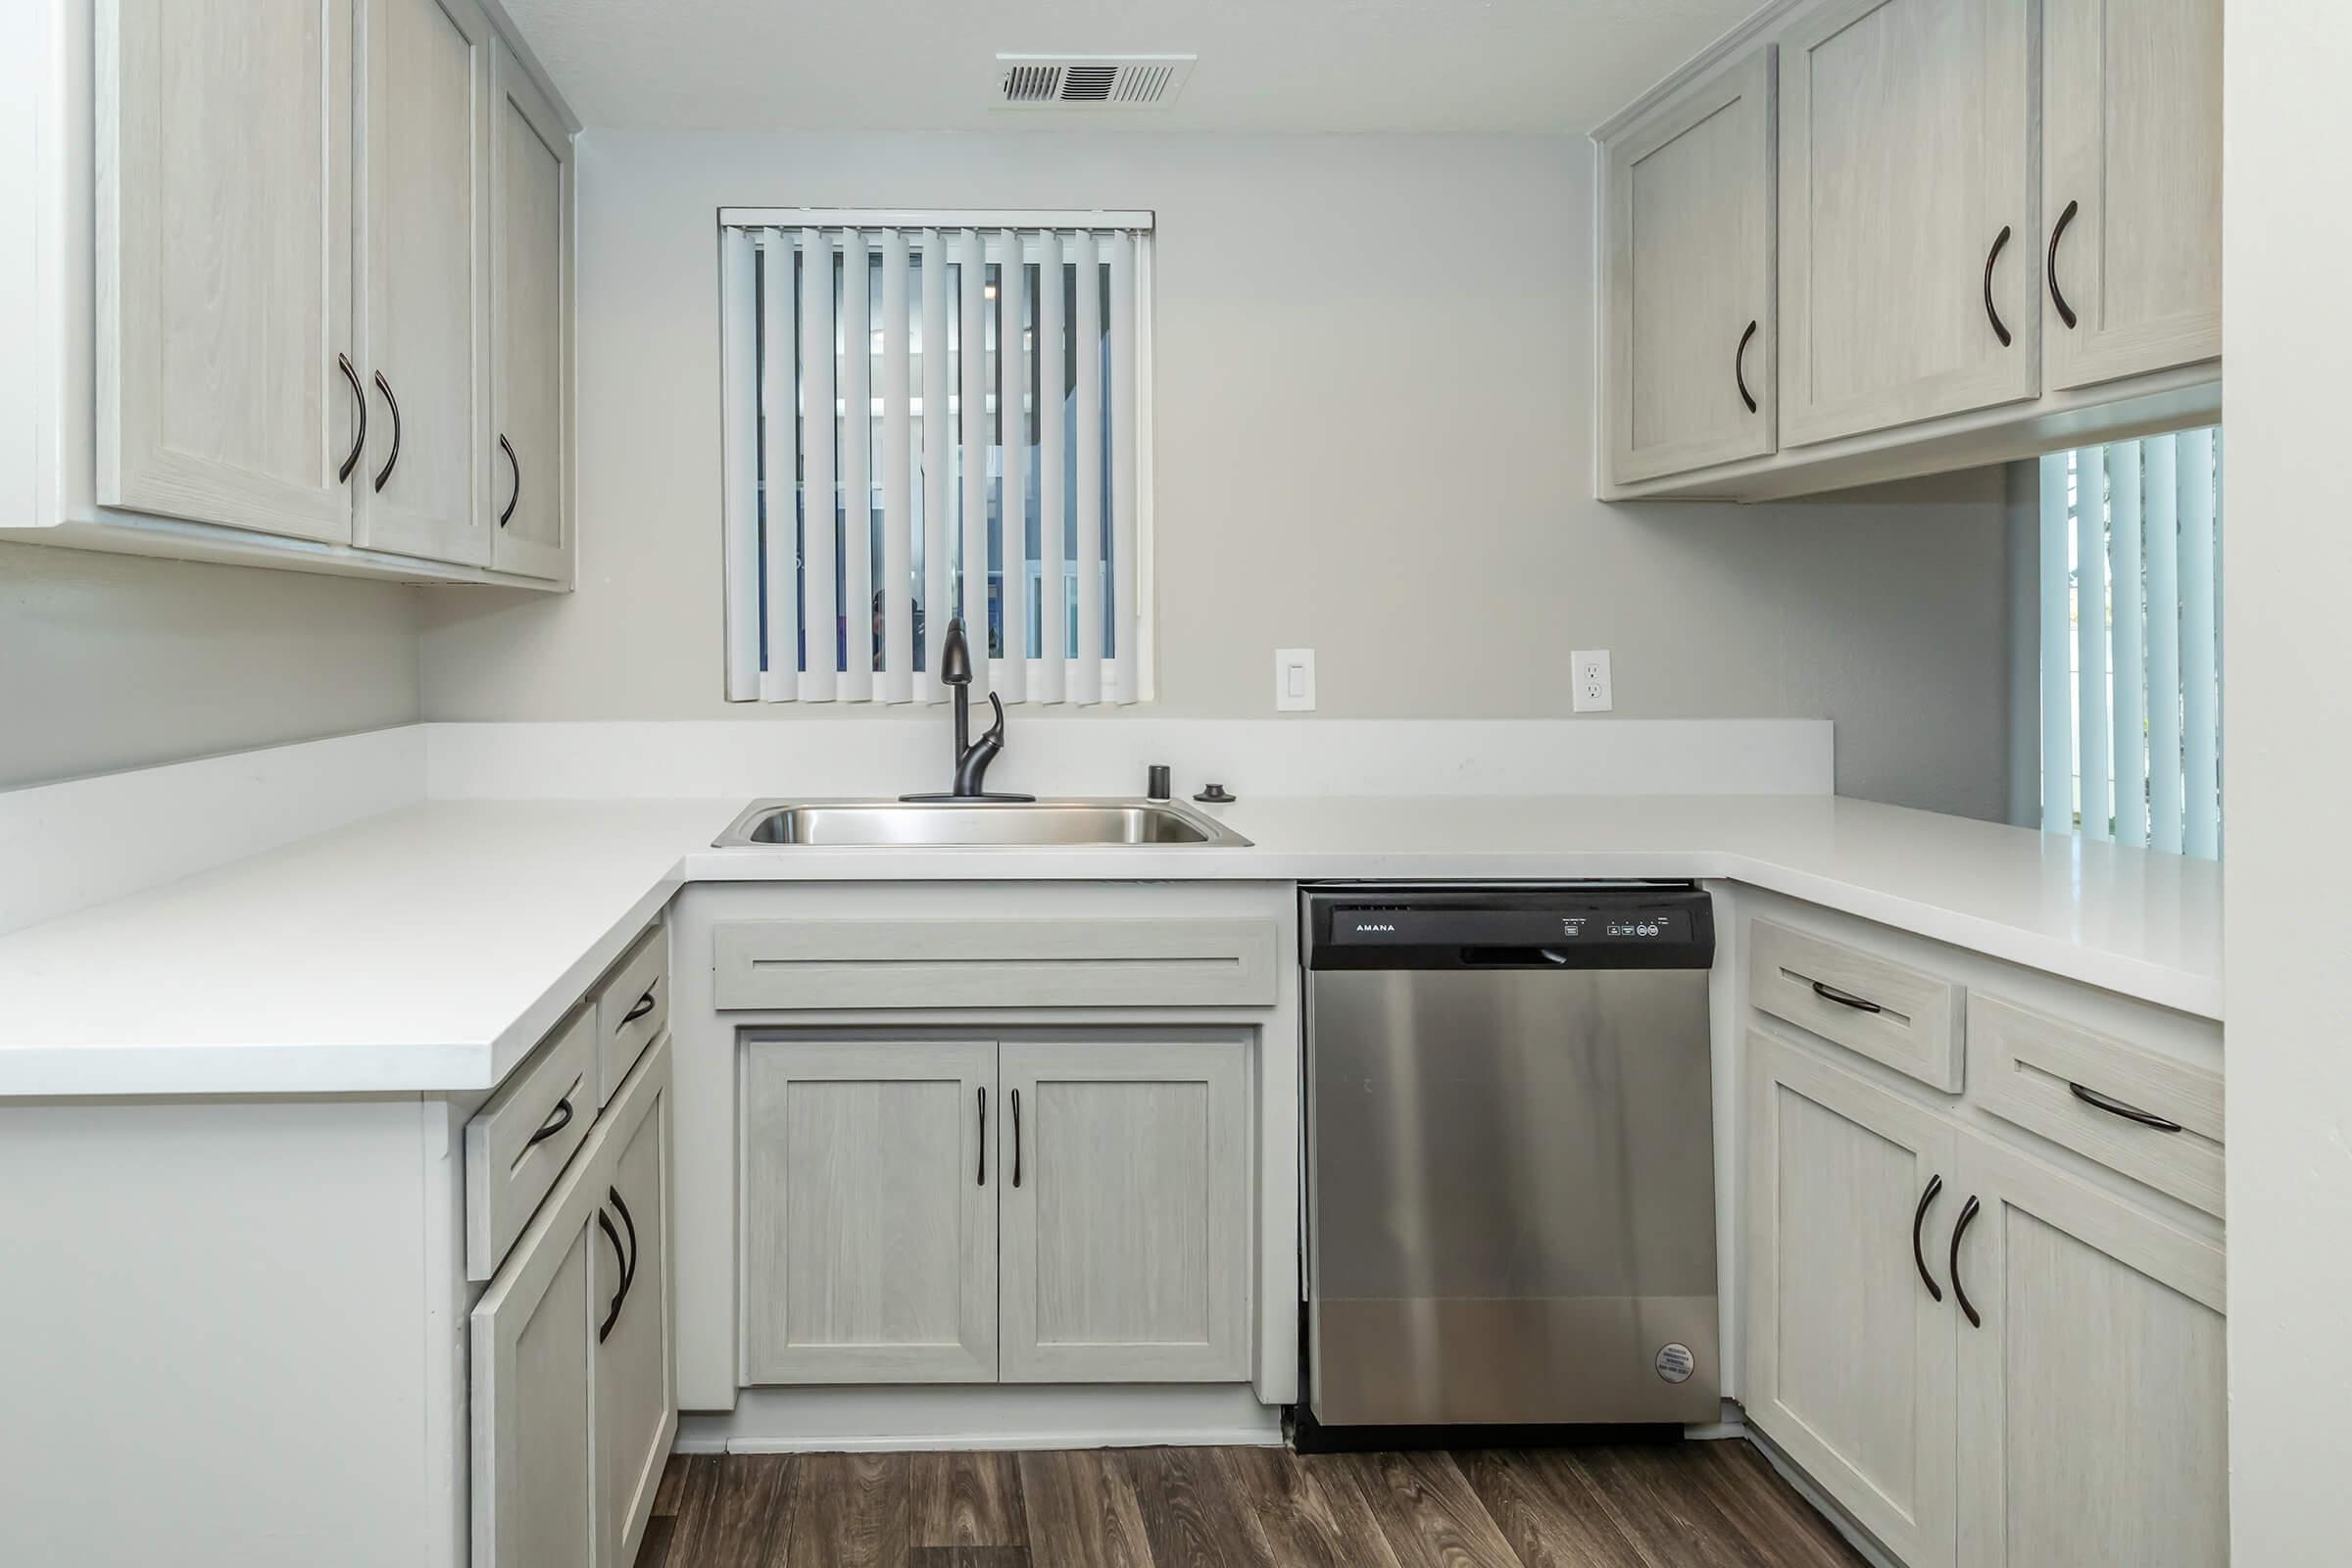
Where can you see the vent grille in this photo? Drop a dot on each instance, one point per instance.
(1090, 81)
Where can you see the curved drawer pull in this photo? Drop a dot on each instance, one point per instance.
(557, 1120)
(1999, 329)
(1918, 1258)
(1846, 998)
(603, 1329)
(1968, 1214)
(358, 436)
(516, 464)
(393, 457)
(2116, 1107)
(640, 1008)
(1739, 367)
(2066, 311)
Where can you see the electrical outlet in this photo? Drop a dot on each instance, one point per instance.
(1293, 680)
(1591, 670)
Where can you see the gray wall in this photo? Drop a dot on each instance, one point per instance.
(112, 662)
(1374, 428)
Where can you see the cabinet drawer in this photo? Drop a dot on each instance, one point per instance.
(776, 965)
(1907, 1018)
(2082, 1089)
(518, 1143)
(633, 1006)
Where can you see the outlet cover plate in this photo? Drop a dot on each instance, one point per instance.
(1594, 691)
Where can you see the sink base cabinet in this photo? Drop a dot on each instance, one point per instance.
(941, 1211)
(870, 1214)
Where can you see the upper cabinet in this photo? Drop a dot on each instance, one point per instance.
(1997, 226)
(2131, 185)
(224, 265)
(424, 340)
(530, 301)
(1906, 196)
(1688, 275)
(259, 247)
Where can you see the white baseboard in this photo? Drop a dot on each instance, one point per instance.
(848, 756)
(860, 1419)
(77, 844)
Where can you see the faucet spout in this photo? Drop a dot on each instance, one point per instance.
(971, 757)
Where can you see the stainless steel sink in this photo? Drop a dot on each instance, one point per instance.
(950, 824)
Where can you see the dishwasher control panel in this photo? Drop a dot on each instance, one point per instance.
(1616, 926)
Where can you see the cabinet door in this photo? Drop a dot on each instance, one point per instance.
(530, 304)
(869, 1224)
(1125, 1172)
(2132, 99)
(1688, 262)
(223, 247)
(427, 266)
(1906, 216)
(636, 1388)
(534, 1424)
(2092, 1405)
(1849, 1351)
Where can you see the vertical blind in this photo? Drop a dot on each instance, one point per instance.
(930, 416)
(2131, 642)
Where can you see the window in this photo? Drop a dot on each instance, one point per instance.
(2131, 642)
(931, 416)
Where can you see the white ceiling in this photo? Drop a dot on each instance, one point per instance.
(1266, 64)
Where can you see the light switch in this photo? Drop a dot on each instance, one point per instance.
(1293, 680)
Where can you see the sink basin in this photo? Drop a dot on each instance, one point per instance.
(950, 824)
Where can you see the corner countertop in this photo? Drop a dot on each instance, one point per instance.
(428, 948)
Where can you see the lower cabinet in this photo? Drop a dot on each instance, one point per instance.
(972, 1212)
(1982, 1358)
(2092, 1412)
(1850, 1352)
(1126, 1224)
(573, 1408)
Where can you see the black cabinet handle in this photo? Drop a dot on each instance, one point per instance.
(557, 1120)
(1918, 1258)
(1016, 1138)
(1968, 1214)
(1739, 367)
(2066, 311)
(1846, 998)
(604, 1223)
(2116, 1107)
(640, 1008)
(980, 1170)
(508, 447)
(1999, 241)
(393, 402)
(358, 436)
(628, 1276)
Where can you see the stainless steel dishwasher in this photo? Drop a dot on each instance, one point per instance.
(1510, 1149)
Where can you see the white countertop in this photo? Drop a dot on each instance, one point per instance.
(429, 947)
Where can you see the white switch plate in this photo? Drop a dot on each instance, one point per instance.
(1594, 694)
(1293, 680)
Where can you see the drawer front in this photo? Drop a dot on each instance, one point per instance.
(633, 1006)
(774, 965)
(2145, 1115)
(1907, 1018)
(518, 1143)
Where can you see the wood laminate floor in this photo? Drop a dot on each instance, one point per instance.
(1679, 1505)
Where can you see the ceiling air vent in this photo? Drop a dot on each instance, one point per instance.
(1090, 82)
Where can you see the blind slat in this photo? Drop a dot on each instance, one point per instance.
(780, 549)
(2131, 669)
(2200, 791)
(1053, 610)
(1013, 493)
(2057, 664)
(971, 348)
(857, 471)
(1126, 666)
(739, 483)
(897, 478)
(1086, 670)
(2090, 631)
(819, 613)
(2160, 532)
(939, 446)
